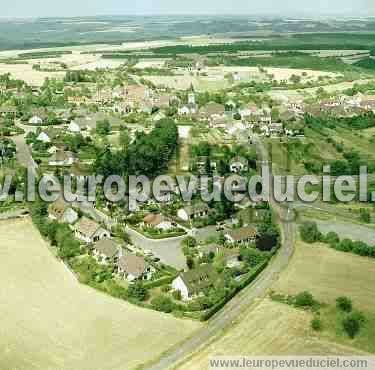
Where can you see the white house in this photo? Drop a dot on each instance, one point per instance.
(89, 231)
(193, 211)
(191, 283)
(74, 127)
(62, 158)
(35, 120)
(43, 137)
(238, 164)
(188, 109)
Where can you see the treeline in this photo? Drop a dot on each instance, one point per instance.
(310, 234)
(148, 155)
(296, 60)
(43, 54)
(366, 63)
(297, 42)
(80, 76)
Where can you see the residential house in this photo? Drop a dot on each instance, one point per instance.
(35, 120)
(90, 231)
(133, 268)
(44, 137)
(62, 158)
(8, 111)
(248, 110)
(206, 250)
(212, 110)
(157, 221)
(243, 235)
(194, 211)
(163, 101)
(238, 165)
(102, 97)
(106, 251)
(231, 257)
(137, 93)
(74, 127)
(192, 283)
(189, 109)
(276, 129)
(62, 212)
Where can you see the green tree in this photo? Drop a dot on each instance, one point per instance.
(103, 127)
(162, 303)
(309, 232)
(344, 304)
(316, 324)
(304, 299)
(351, 325)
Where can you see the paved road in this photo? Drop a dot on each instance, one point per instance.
(238, 304)
(24, 156)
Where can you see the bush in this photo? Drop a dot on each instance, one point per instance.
(316, 324)
(332, 239)
(176, 295)
(162, 303)
(344, 304)
(304, 299)
(137, 291)
(352, 325)
(309, 232)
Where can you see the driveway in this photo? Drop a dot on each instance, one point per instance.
(168, 250)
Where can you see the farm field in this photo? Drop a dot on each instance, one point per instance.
(25, 72)
(49, 321)
(269, 328)
(215, 77)
(328, 274)
(331, 88)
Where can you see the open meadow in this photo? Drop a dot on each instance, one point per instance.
(49, 321)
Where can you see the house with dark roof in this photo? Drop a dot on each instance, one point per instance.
(132, 267)
(192, 283)
(243, 235)
(106, 251)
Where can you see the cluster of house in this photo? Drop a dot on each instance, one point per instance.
(192, 283)
(105, 250)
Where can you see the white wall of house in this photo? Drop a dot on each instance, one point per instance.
(179, 285)
(181, 213)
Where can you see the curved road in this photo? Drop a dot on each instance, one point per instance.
(238, 304)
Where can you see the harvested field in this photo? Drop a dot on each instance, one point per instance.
(270, 328)
(328, 274)
(49, 321)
